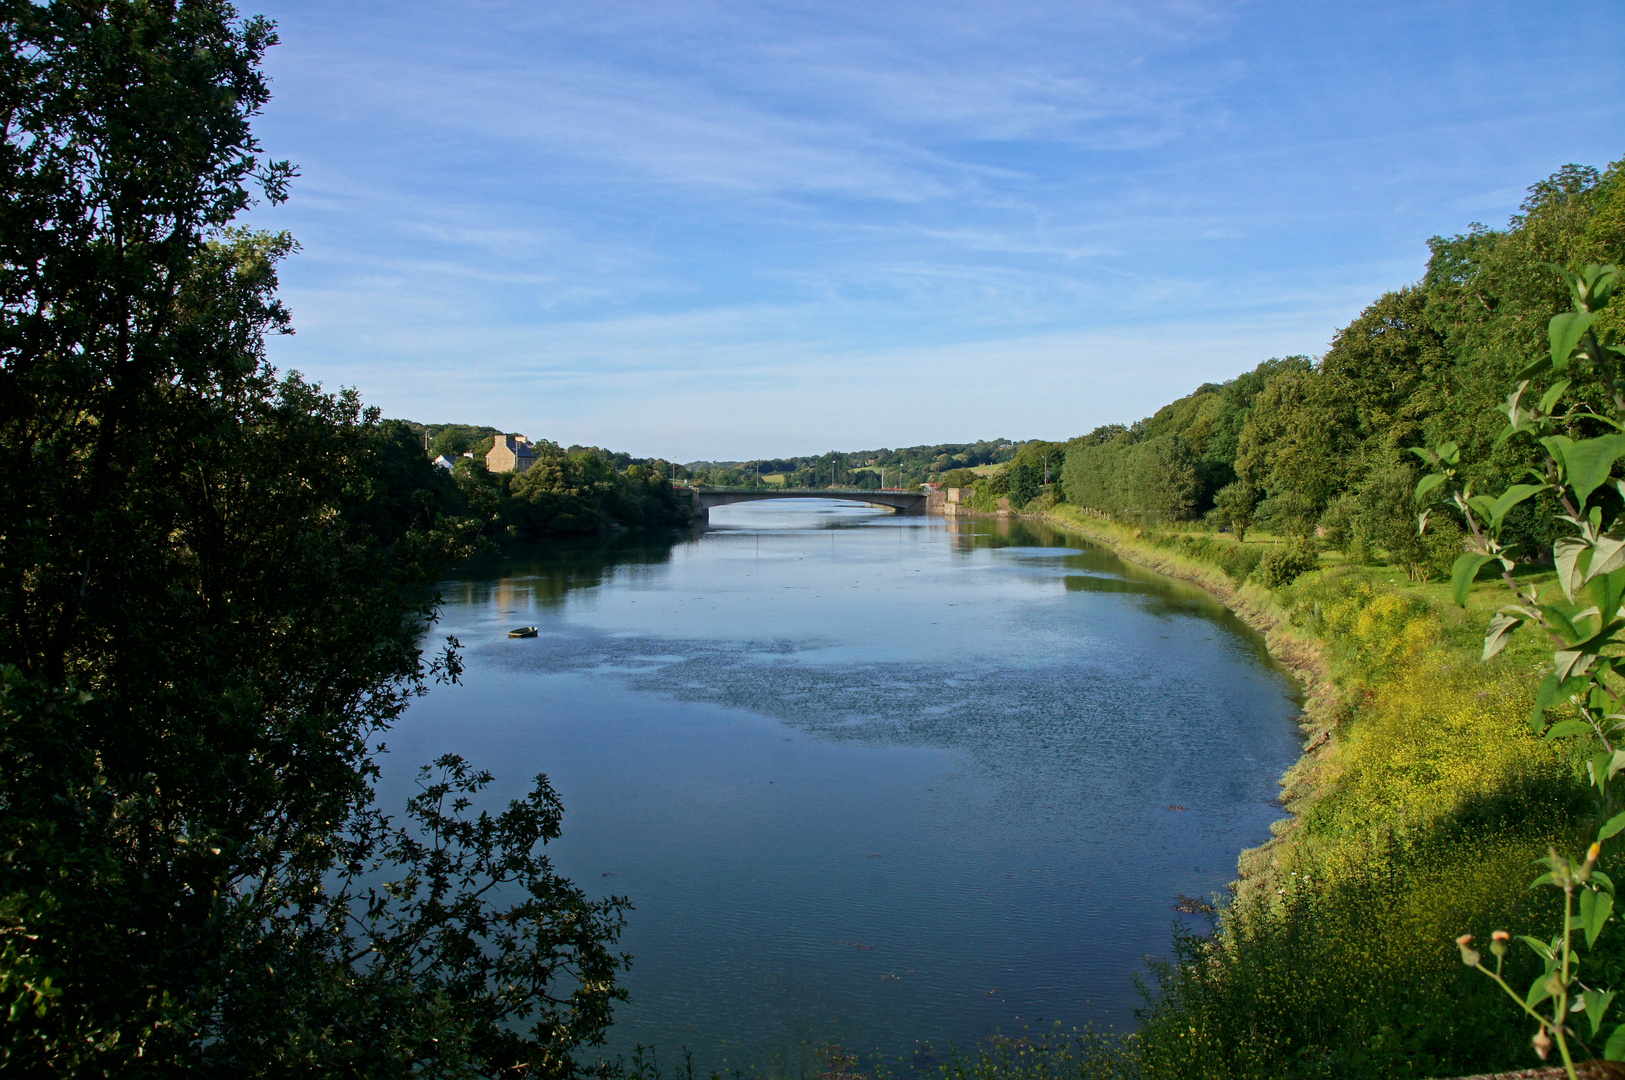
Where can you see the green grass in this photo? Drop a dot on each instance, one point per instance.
(1418, 815)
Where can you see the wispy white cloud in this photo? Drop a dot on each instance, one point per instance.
(718, 223)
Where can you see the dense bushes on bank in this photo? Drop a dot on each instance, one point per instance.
(1417, 817)
(1420, 821)
(567, 493)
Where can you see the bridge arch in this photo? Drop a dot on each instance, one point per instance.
(901, 502)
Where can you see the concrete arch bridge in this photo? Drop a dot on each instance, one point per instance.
(902, 502)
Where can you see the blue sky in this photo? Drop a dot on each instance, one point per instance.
(731, 230)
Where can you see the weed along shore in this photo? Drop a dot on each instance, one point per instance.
(1420, 800)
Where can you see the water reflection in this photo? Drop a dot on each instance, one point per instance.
(870, 777)
(542, 573)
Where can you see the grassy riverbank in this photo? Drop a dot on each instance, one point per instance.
(1418, 808)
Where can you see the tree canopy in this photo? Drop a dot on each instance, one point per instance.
(215, 580)
(1323, 446)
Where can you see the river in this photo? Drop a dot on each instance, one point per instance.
(900, 783)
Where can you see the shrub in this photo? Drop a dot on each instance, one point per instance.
(1239, 560)
(1284, 565)
(1338, 978)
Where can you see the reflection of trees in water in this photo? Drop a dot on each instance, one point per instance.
(543, 572)
(1097, 569)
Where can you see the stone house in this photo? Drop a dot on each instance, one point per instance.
(510, 453)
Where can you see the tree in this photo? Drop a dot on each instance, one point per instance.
(1294, 447)
(1234, 504)
(452, 442)
(214, 581)
(1023, 481)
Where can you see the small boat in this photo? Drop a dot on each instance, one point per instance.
(523, 631)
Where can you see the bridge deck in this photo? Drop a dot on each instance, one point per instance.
(899, 500)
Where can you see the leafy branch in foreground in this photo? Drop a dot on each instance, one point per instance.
(1578, 446)
(215, 583)
(450, 931)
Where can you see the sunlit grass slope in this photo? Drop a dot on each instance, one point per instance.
(1419, 807)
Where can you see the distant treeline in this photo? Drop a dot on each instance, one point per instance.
(903, 467)
(1320, 447)
(580, 489)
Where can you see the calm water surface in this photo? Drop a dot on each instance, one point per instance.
(898, 782)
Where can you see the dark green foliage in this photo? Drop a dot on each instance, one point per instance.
(1284, 564)
(1233, 508)
(454, 440)
(1024, 481)
(581, 491)
(1298, 447)
(565, 492)
(1171, 466)
(1319, 987)
(214, 585)
(1150, 480)
(1240, 560)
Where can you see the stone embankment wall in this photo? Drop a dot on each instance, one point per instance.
(954, 502)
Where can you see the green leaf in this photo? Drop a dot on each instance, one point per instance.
(1537, 992)
(1539, 946)
(1574, 569)
(1564, 728)
(1549, 398)
(1427, 484)
(1567, 552)
(1511, 497)
(1564, 333)
(1607, 592)
(1615, 1050)
(1612, 828)
(1501, 627)
(1598, 767)
(1533, 368)
(1558, 446)
(1462, 575)
(1545, 697)
(1602, 280)
(1589, 461)
(1597, 1002)
(1608, 554)
(1600, 910)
